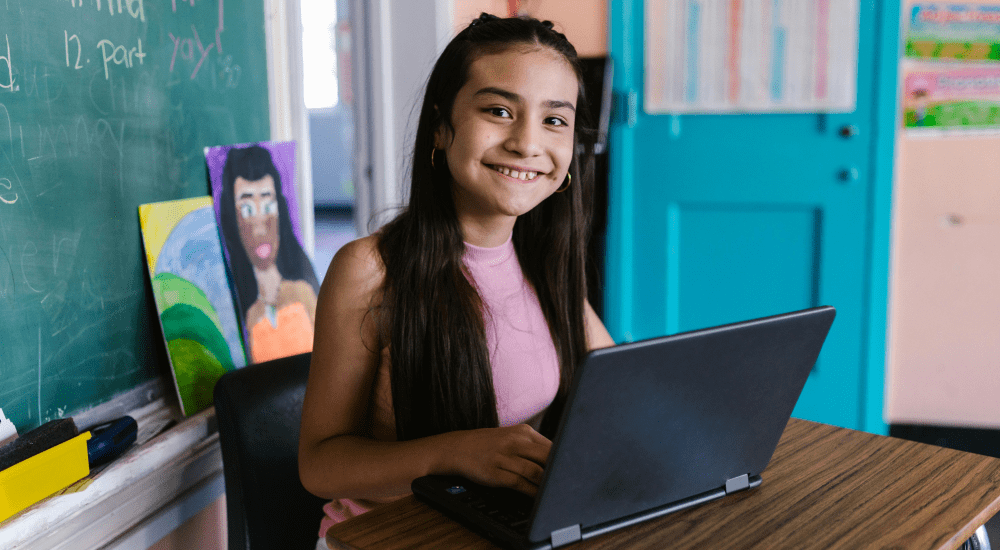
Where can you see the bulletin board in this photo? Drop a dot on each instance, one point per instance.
(951, 69)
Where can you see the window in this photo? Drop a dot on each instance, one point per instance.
(326, 60)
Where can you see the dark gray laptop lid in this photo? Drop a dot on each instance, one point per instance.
(653, 422)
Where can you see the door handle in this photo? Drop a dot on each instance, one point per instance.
(848, 131)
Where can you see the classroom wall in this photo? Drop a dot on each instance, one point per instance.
(584, 22)
(206, 530)
(944, 311)
(944, 306)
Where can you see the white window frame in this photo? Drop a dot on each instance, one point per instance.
(391, 63)
(392, 60)
(286, 101)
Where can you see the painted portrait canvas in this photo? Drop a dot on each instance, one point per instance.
(253, 186)
(193, 297)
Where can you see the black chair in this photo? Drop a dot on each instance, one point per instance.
(258, 409)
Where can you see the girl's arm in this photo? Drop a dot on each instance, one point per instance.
(597, 335)
(336, 459)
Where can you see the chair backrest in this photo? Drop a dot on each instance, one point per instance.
(259, 408)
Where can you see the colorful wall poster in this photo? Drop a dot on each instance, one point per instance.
(966, 98)
(192, 295)
(954, 32)
(254, 189)
(742, 56)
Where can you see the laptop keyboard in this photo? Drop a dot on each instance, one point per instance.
(508, 507)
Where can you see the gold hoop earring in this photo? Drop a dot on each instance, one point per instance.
(569, 181)
(433, 150)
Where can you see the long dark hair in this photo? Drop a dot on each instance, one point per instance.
(431, 315)
(253, 163)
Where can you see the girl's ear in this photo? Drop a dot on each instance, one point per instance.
(439, 137)
(441, 134)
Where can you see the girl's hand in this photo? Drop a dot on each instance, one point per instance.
(511, 457)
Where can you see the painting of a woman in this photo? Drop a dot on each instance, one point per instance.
(275, 284)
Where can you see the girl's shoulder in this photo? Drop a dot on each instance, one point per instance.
(357, 266)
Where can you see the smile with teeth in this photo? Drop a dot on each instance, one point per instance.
(523, 176)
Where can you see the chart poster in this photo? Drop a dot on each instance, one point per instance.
(953, 98)
(954, 32)
(744, 56)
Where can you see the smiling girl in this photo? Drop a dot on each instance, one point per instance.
(446, 342)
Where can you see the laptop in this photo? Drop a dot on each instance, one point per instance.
(650, 428)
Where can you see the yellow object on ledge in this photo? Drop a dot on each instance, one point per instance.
(35, 478)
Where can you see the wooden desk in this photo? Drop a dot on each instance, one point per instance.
(826, 487)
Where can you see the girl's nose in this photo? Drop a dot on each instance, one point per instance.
(524, 139)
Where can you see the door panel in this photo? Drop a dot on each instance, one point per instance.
(739, 216)
(765, 263)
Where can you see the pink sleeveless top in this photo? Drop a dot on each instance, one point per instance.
(522, 355)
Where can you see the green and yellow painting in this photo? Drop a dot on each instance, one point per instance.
(193, 297)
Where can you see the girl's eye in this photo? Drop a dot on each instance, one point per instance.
(247, 210)
(555, 121)
(499, 111)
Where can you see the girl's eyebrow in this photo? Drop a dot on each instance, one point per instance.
(250, 194)
(515, 98)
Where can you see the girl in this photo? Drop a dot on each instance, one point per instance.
(446, 341)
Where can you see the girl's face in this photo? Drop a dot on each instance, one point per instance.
(257, 215)
(513, 133)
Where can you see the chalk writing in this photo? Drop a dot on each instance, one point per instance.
(71, 243)
(49, 87)
(30, 250)
(221, 26)
(5, 60)
(119, 54)
(122, 95)
(79, 49)
(17, 179)
(6, 116)
(134, 8)
(101, 140)
(7, 287)
(8, 198)
(186, 47)
(228, 73)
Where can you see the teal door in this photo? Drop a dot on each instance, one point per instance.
(720, 218)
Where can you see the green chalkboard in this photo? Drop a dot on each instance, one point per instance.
(105, 105)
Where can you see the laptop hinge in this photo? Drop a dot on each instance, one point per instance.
(565, 535)
(738, 483)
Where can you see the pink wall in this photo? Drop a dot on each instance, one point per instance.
(584, 22)
(944, 315)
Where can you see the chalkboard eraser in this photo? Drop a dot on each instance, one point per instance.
(40, 439)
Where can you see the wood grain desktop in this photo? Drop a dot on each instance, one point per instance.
(826, 487)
